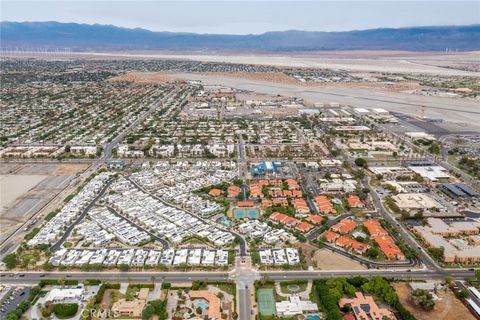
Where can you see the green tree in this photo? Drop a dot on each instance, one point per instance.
(461, 294)
(10, 260)
(372, 252)
(124, 267)
(422, 298)
(360, 162)
(65, 310)
(437, 253)
(148, 312)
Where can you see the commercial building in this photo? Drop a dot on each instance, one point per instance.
(414, 201)
(454, 238)
(459, 190)
(65, 295)
(431, 173)
(294, 306)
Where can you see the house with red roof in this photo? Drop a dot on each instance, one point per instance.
(330, 236)
(348, 243)
(292, 184)
(389, 248)
(304, 227)
(233, 191)
(355, 202)
(266, 203)
(215, 192)
(344, 226)
(324, 205)
(374, 228)
(297, 193)
(365, 307)
(301, 206)
(314, 219)
(255, 190)
(280, 202)
(278, 217)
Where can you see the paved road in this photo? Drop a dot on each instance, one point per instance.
(461, 285)
(245, 277)
(312, 185)
(107, 152)
(242, 166)
(415, 274)
(423, 255)
(165, 244)
(58, 244)
(18, 294)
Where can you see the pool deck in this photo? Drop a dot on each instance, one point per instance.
(213, 302)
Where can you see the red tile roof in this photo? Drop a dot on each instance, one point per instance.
(344, 226)
(355, 202)
(215, 192)
(304, 227)
(330, 235)
(245, 203)
(233, 191)
(324, 205)
(314, 219)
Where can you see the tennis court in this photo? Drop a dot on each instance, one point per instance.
(266, 302)
(241, 213)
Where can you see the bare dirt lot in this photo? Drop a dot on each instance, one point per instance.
(26, 187)
(448, 307)
(327, 260)
(14, 186)
(145, 77)
(70, 168)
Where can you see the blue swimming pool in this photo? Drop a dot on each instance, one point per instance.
(313, 317)
(240, 213)
(202, 305)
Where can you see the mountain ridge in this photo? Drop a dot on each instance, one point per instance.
(83, 37)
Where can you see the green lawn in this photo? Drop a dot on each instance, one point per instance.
(284, 286)
(227, 287)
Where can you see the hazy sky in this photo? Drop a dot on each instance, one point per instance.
(241, 17)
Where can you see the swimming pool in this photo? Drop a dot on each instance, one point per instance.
(226, 222)
(202, 304)
(240, 213)
(313, 317)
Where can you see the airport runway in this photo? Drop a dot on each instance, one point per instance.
(457, 110)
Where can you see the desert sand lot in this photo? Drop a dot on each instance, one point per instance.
(327, 260)
(27, 187)
(13, 187)
(448, 307)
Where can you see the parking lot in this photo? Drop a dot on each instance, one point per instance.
(11, 297)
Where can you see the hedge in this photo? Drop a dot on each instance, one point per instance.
(65, 310)
(56, 282)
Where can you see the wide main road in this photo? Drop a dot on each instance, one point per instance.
(414, 274)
